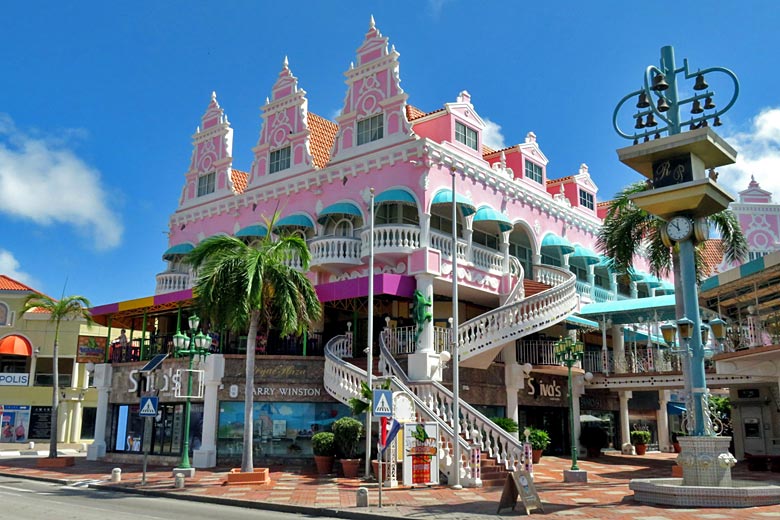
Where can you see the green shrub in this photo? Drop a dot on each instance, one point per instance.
(506, 423)
(323, 444)
(640, 437)
(539, 439)
(346, 434)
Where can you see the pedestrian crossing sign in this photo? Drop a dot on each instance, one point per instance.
(148, 407)
(383, 403)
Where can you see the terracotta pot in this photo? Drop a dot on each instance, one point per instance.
(677, 448)
(324, 464)
(536, 456)
(350, 467)
(641, 449)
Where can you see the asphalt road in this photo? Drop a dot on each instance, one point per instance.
(22, 499)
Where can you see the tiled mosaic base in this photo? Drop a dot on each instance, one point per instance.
(672, 492)
(706, 461)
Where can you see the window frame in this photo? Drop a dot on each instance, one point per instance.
(587, 200)
(207, 186)
(367, 132)
(464, 134)
(277, 161)
(530, 171)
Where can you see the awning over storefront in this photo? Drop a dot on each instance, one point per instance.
(298, 220)
(584, 256)
(578, 322)
(660, 308)
(445, 197)
(15, 345)
(120, 314)
(392, 284)
(255, 230)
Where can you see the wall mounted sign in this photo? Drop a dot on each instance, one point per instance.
(421, 454)
(91, 350)
(676, 170)
(12, 379)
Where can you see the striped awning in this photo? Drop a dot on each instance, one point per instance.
(552, 242)
(488, 214)
(445, 197)
(178, 250)
(340, 208)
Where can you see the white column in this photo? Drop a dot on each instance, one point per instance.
(514, 378)
(63, 420)
(33, 368)
(618, 349)
(206, 455)
(425, 230)
(97, 449)
(625, 427)
(662, 420)
(579, 391)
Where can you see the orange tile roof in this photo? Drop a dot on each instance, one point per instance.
(486, 150)
(240, 180)
(323, 134)
(9, 284)
(605, 203)
(562, 179)
(712, 255)
(413, 113)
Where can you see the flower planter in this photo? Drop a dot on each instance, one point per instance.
(536, 456)
(258, 476)
(385, 470)
(350, 467)
(56, 462)
(676, 446)
(324, 464)
(641, 449)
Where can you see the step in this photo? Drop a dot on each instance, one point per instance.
(533, 287)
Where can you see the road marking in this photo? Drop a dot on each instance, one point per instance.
(17, 489)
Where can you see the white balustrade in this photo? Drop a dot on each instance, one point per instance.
(496, 328)
(172, 282)
(392, 238)
(443, 243)
(583, 288)
(600, 295)
(487, 259)
(400, 340)
(335, 250)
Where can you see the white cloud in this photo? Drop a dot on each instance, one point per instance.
(43, 181)
(492, 136)
(9, 266)
(758, 155)
(436, 7)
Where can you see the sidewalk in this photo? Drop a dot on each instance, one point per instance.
(605, 496)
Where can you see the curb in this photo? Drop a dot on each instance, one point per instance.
(246, 504)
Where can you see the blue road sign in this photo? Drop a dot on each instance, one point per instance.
(148, 407)
(383, 403)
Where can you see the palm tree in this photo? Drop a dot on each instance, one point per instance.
(68, 308)
(628, 231)
(242, 285)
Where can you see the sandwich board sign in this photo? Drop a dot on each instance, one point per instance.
(148, 407)
(520, 484)
(383, 403)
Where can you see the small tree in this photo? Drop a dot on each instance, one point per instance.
(68, 308)
(539, 439)
(347, 432)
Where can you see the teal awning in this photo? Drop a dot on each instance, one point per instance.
(178, 250)
(488, 214)
(445, 197)
(340, 208)
(295, 220)
(252, 231)
(637, 276)
(604, 263)
(583, 255)
(395, 195)
(641, 337)
(578, 322)
(556, 243)
(675, 408)
(629, 311)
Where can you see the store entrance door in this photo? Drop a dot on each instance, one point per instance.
(555, 421)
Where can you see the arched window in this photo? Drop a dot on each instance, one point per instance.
(340, 228)
(5, 315)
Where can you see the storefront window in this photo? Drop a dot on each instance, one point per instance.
(167, 433)
(281, 429)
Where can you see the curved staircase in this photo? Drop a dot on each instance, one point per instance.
(528, 308)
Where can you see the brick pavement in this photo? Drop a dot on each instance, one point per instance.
(605, 496)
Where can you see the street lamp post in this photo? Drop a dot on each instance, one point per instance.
(570, 352)
(191, 346)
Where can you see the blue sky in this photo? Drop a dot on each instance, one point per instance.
(99, 100)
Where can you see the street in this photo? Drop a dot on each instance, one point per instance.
(24, 499)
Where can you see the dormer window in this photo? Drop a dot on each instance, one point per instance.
(279, 160)
(533, 171)
(466, 135)
(586, 200)
(370, 129)
(206, 184)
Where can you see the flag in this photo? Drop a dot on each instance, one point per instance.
(395, 427)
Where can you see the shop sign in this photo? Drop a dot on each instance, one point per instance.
(14, 423)
(10, 379)
(421, 459)
(547, 388)
(91, 350)
(170, 381)
(287, 391)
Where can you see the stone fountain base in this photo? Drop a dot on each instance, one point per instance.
(706, 465)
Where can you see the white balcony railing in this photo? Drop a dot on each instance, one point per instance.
(400, 340)
(639, 361)
(443, 243)
(397, 239)
(171, 282)
(335, 250)
(600, 295)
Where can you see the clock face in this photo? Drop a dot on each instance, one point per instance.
(679, 228)
(403, 407)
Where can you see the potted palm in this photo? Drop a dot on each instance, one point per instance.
(346, 434)
(539, 440)
(324, 447)
(640, 439)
